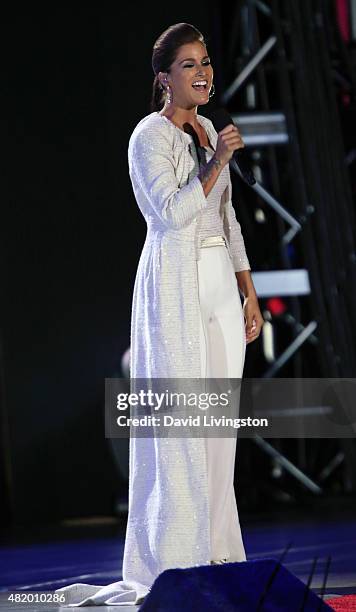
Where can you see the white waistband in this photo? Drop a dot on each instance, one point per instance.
(213, 241)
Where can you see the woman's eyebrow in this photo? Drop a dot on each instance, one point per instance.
(191, 58)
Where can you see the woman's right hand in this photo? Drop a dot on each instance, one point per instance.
(229, 140)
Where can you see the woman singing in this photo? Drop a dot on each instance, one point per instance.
(187, 322)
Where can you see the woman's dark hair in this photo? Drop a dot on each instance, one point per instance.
(165, 51)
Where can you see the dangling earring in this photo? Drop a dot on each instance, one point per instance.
(168, 95)
(212, 91)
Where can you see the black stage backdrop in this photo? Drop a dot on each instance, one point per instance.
(74, 85)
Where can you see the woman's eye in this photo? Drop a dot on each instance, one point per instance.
(206, 63)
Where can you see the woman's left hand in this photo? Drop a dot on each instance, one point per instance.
(253, 318)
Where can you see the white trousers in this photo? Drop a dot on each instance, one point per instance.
(223, 347)
(222, 335)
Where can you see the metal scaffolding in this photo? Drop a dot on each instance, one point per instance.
(285, 72)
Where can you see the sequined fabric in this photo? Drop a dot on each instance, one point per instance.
(212, 216)
(163, 167)
(168, 524)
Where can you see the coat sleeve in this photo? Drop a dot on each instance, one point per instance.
(233, 229)
(151, 163)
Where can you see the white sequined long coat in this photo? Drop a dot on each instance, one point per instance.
(168, 523)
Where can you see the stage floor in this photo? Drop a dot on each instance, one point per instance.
(90, 551)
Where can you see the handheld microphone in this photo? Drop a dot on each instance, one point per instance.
(188, 128)
(221, 118)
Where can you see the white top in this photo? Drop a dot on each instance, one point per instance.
(212, 219)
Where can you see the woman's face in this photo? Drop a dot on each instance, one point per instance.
(192, 64)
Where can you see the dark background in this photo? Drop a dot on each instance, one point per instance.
(74, 84)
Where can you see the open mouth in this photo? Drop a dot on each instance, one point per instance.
(200, 85)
